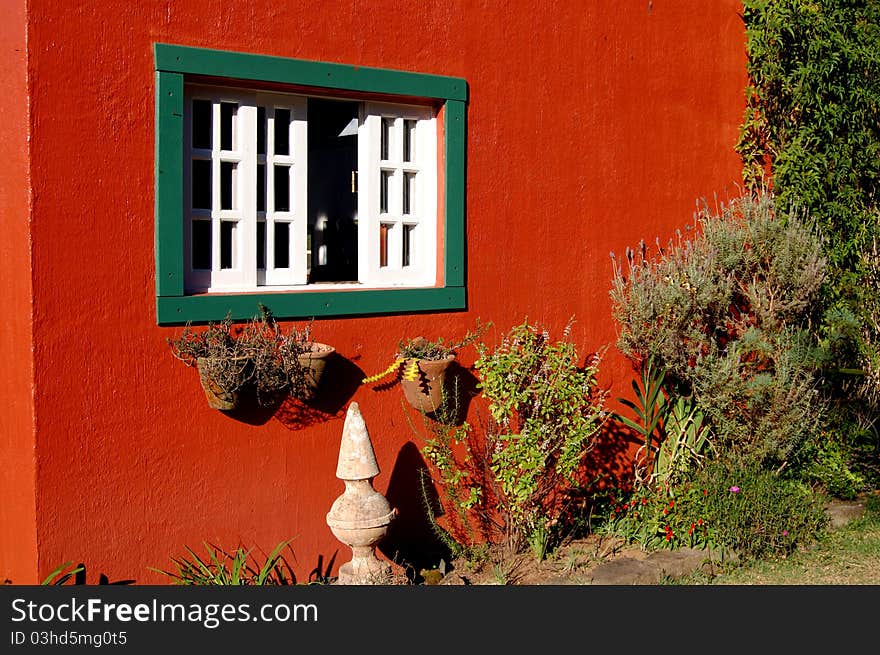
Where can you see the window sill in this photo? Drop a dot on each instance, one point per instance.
(201, 308)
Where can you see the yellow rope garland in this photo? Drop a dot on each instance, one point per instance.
(411, 372)
(388, 371)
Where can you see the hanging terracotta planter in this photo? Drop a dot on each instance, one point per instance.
(422, 368)
(423, 382)
(315, 364)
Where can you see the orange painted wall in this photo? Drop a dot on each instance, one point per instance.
(18, 539)
(589, 128)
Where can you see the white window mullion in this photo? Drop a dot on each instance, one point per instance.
(369, 137)
(270, 278)
(215, 189)
(299, 144)
(247, 190)
(425, 238)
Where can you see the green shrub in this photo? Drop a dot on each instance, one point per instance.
(813, 114)
(520, 473)
(813, 117)
(828, 464)
(727, 313)
(674, 435)
(741, 510)
(662, 517)
(757, 513)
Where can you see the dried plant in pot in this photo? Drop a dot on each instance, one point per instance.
(221, 359)
(423, 365)
(304, 362)
(284, 364)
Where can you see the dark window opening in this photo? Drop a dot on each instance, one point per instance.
(227, 233)
(261, 187)
(226, 195)
(407, 244)
(201, 245)
(261, 130)
(201, 124)
(282, 245)
(201, 184)
(332, 185)
(261, 244)
(384, 231)
(282, 188)
(282, 131)
(227, 112)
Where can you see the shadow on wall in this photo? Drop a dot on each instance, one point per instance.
(340, 381)
(411, 541)
(460, 388)
(612, 457)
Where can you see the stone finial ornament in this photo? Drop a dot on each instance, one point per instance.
(360, 517)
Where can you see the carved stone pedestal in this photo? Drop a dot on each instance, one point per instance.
(360, 517)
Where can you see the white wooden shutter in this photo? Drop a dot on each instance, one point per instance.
(289, 169)
(397, 195)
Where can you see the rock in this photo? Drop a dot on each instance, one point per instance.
(625, 571)
(841, 512)
(678, 563)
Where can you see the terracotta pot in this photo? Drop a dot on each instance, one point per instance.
(218, 397)
(315, 363)
(425, 393)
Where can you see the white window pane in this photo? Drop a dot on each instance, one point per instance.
(201, 124)
(384, 238)
(384, 187)
(227, 244)
(409, 191)
(227, 185)
(408, 241)
(261, 245)
(385, 146)
(282, 131)
(227, 115)
(282, 188)
(201, 184)
(201, 245)
(409, 140)
(261, 187)
(282, 245)
(261, 130)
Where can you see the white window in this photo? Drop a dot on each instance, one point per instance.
(291, 191)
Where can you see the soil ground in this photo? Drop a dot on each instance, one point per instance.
(602, 560)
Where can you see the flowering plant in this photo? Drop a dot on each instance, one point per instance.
(661, 518)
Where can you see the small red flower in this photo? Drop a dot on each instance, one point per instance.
(671, 504)
(644, 501)
(700, 522)
(665, 511)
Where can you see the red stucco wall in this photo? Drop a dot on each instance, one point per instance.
(18, 542)
(589, 128)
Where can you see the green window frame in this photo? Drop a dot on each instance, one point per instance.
(175, 64)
